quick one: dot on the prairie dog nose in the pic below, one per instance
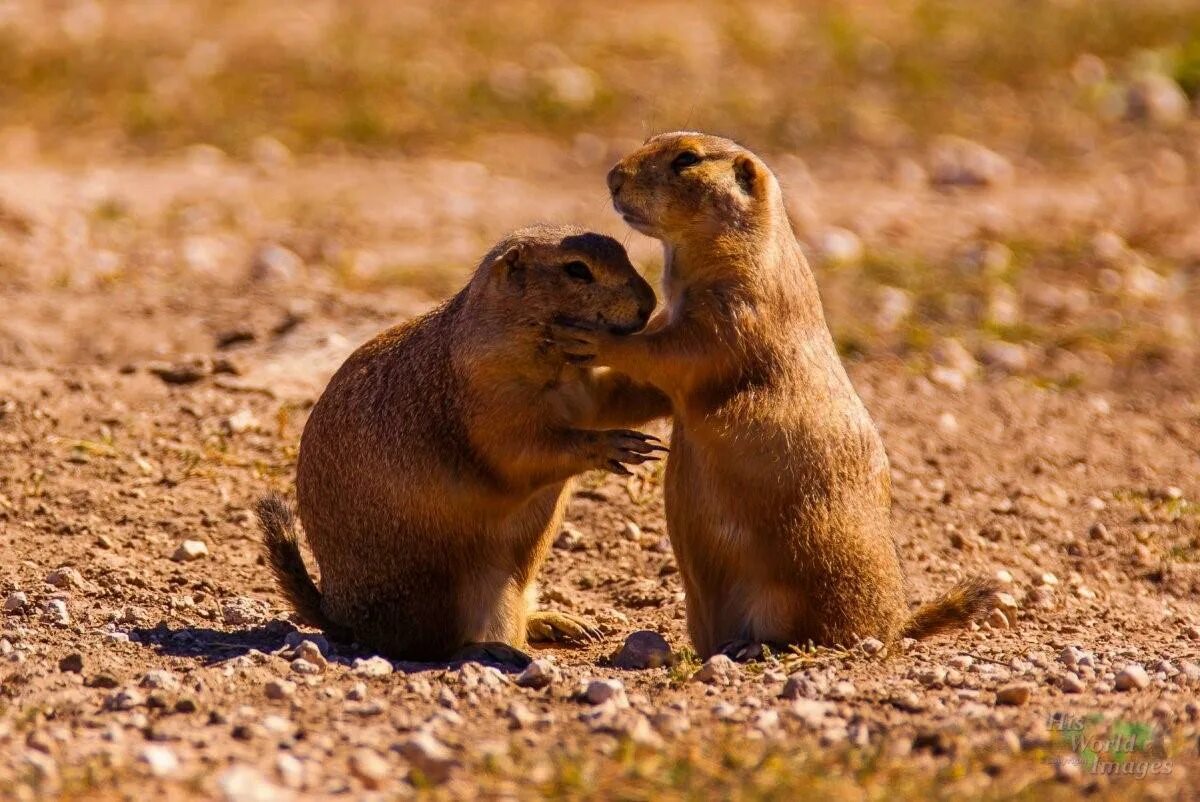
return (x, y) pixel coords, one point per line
(616, 177)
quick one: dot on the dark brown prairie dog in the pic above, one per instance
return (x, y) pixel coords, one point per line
(435, 468)
(777, 488)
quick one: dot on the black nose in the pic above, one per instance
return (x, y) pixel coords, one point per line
(644, 314)
(616, 177)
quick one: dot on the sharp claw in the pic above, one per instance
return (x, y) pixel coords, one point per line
(618, 468)
(649, 439)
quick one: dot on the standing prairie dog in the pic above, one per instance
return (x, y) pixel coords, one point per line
(777, 488)
(434, 470)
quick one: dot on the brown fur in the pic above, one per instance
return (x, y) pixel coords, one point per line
(282, 550)
(777, 489)
(969, 600)
(434, 470)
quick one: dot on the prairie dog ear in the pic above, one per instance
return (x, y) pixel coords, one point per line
(747, 173)
(510, 267)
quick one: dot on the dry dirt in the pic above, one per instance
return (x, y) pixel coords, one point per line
(253, 281)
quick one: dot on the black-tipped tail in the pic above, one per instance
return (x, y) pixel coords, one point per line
(283, 555)
(969, 600)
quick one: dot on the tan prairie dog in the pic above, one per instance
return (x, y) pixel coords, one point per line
(777, 488)
(434, 470)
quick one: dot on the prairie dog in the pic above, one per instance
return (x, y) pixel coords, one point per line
(435, 468)
(777, 488)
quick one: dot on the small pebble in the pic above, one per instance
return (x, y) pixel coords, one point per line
(241, 783)
(871, 645)
(310, 652)
(160, 760)
(189, 551)
(538, 674)
(1131, 677)
(160, 679)
(1016, 694)
(369, 767)
(570, 538)
(55, 612)
(16, 602)
(519, 716)
(290, 769)
(599, 691)
(305, 668)
(644, 649)
(717, 670)
(65, 577)
(72, 663)
(124, 699)
(429, 756)
(373, 667)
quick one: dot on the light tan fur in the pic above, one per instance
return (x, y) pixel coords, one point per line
(434, 470)
(777, 488)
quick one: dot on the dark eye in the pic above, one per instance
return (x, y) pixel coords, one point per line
(685, 160)
(579, 271)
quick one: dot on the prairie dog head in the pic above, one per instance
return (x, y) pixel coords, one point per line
(684, 185)
(544, 273)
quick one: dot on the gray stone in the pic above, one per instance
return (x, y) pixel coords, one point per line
(245, 784)
(160, 679)
(1131, 677)
(160, 760)
(538, 674)
(429, 756)
(372, 667)
(369, 767)
(599, 691)
(717, 670)
(190, 551)
(16, 602)
(55, 612)
(644, 649)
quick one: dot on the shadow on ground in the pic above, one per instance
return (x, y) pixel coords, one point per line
(212, 646)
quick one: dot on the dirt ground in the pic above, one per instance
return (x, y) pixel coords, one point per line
(165, 325)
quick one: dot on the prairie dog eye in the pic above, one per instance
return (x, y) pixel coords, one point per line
(685, 160)
(579, 271)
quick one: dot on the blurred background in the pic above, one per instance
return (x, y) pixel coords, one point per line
(1050, 79)
(1015, 179)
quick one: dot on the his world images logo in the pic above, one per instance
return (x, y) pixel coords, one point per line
(1120, 747)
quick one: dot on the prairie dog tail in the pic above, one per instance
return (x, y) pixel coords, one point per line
(968, 601)
(283, 555)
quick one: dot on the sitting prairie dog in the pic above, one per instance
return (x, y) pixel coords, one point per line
(777, 489)
(434, 470)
